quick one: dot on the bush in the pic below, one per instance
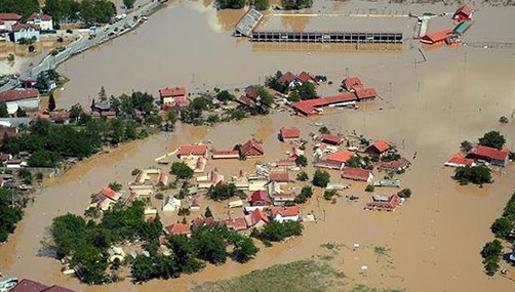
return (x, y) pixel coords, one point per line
(369, 188)
(503, 120)
(232, 4)
(115, 186)
(222, 191)
(181, 170)
(301, 161)
(276, 231)
(466, 146)
(328, 195)
(404, 193)
(492, 139)
(321, 178)
(491, 254)
(244, 249)
(159, 196)
(502, 227)
(261, 4)
(184, 212)
(474, 174)
(302, 176)
(305, 194)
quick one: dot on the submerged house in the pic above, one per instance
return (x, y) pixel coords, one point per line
(289, 134)
(464, 13)
(211, 179)
(252, 149)
(494, 156)
(357, 174)
(438, 37)
(173, 97)
(256, 219)
(379, 147)
(285, 214)
(384, 203)
(105, 198)
(334, 160)
(312, 106)
(458, 160)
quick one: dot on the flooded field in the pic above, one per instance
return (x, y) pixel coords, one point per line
(424, 108)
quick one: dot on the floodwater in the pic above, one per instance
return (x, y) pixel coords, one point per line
(427, 108)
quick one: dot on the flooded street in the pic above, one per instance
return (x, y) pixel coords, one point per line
(428, 108)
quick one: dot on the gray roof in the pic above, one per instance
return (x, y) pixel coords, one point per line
(249, 21)
(16, 122)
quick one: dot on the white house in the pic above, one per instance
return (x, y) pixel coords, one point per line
(26, 99)
(25, 31)
(42, 20)
(9, 19)
(284, 214)
(172, 204)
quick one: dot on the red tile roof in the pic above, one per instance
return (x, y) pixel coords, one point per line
(459, 159)
(439, 36)
(192, 149)
(465, 10)
(381, 146)
(177, 229)
(353, 83)
(172, 91)
(224, 153)
(306, 77)
(289, 133)
(279, 176)
(259, 197)
(18, 94)
(491, 153)
(285, 211)
(20, 26)
(33, 286)
(255, 217)
(287, 78)
(307, 107)
(41, 16)
(394, 164)
(331, 139)
(10, 17)
(252, 148)
(356, 173)
(366, 93)
(339, 156)
(109, 193)
(237, 224)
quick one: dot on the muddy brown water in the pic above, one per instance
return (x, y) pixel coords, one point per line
(428, 108)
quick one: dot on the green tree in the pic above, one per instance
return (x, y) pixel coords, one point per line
(405, 193)
(329, 194)
(232, 4)
(466, 146)
(306, 91)
(244, 249)
(184, 253)
(51, 103)
(115, 186)
(20, 113)
(492, 139)
(275, 231)
(261, 4)
(222, 191)
(321, 178)
(302, 176)
(305, 193)
(224, 95)
(474, 174)
(502, 227)
(208, 213)
(3, 110)
(324, 130)
(143, 268)
(11, 208)
(22, 7)
(491, 254)
(301, 161)
(209, 243)
(369, 188)
(181, 170)
(129, 3)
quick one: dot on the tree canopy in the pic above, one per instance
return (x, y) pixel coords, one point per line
(321, 178)
(492, 139)
(22, 7)
(473, 174)
(181, 170)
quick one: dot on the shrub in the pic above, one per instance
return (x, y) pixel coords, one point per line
(474, 174)
(404, 193)
(301, 161)
(276, 231)
(181, 170)
(302, 176)
(369, 188)
(321, 178)
(305, 194)
(184, 212)
(329, 194)
(492, 139)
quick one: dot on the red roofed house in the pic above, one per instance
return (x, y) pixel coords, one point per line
(438, 37)
(334, 160)
(42, 20)
(390, 204)
(332, 139)
(379, 147)
(33, 286)
(289, 134)
(394, 165)
(288, 79)
(25, 31)
(464, 13)
(365, 94)
(308, 107)
(201, 222)
(260, 198)
(352, 83)
(492, 155)
(27, 99)
(105, 198)
(252, 149)
(211, 179)
(192, 150)
(458, 160)
(279, 176)
(177, 229)
(284, 214)
(173, 97)
(9, 19)
(306, 77)
(236, 224)
(256, 219)
(358, 174)
(225, 154)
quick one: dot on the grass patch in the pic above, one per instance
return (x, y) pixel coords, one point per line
(381, 250)
(303, 275)
(363, 288)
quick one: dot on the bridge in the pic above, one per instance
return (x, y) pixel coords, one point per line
(328, 37)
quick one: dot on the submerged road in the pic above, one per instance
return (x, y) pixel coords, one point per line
(84, 43)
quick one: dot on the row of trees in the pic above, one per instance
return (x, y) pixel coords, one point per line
(21, 7)
(11, 210)
(87, 11)
(473, 174)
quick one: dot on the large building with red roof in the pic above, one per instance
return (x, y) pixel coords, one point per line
(334, 160)
(252, 149)
(173, 97)
(43, 21)
(26, 285)
(438, 37)
(379, 147)
(458, 160)
(26, 99)
(358, 174)
(9, 19)
(192, 150)
(310, 106)
(464, 13)
(284, 214)
(491, 155)
(289, 134)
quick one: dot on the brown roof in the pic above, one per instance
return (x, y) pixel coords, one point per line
(177, 229)
(192, 149)
(353, 83)
(290, 133)
(19, 26)
(172, 91)
(33, 286)
(279, 176)
(287, 78)
(10, 16)
(356, 173)
(339, 156)
(285, 211)
(237, 224)
(252, 145)
(331, 139)
(41, 16)
(490, 153)
(256, 216)
(18, 94)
